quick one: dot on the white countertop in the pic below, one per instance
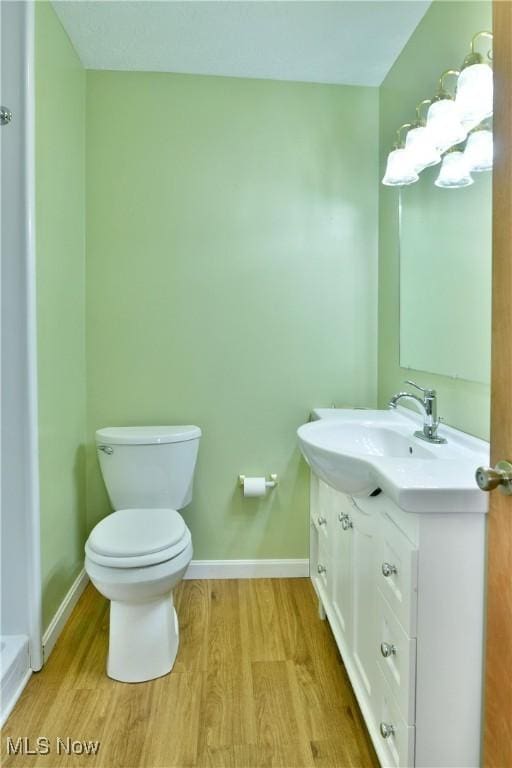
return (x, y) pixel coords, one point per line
(418, 476)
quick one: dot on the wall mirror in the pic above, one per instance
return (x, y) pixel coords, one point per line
(445, 277)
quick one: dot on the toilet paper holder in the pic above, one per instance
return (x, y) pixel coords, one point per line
(270, 483)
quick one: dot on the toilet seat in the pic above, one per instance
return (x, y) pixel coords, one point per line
(132, 538)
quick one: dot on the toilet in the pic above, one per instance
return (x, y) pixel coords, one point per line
(137, 554)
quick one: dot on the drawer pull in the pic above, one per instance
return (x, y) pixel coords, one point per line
(321, 520)
(321, 568)
(342, 516)
(386, 730)
(387, 649)
(389, 570)
(347, 523)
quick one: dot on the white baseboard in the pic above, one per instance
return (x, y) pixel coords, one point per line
(56, 625)
(247, 569)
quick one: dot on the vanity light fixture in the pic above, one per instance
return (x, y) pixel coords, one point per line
(443, 118)
(419, 143)
(474, 98)
(452, 117)
(479, 149)
(455, 171)
(400, 167)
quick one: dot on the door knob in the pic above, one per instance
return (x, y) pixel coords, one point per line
(387, 650)
(500, 477)
(5, 115)
(386, 730)
(389, 570)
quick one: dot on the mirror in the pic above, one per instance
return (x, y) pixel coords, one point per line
(445, 277)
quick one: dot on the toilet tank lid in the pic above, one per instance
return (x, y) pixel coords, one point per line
(147, 435)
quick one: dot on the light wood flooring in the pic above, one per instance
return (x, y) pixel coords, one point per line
(258, 682)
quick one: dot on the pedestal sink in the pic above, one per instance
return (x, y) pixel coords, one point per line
(359, 451)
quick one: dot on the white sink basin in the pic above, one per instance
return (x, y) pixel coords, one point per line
(357, 452)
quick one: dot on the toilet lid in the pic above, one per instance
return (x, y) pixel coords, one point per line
(147, 435)
(132, 532)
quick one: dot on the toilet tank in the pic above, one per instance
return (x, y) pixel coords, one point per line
(148, 467)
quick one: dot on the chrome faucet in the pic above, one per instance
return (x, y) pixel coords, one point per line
(429, 406)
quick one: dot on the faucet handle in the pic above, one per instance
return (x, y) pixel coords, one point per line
(426, 391)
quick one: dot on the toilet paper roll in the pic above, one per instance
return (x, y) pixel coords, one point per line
(254, 486)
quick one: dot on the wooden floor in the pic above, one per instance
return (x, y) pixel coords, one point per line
(258, 682)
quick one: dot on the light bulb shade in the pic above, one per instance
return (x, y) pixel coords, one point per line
(421, 148)
(454, 171)
(475, 93)
(469, 123)
(478, 152)
(399, 169)
(444, 125)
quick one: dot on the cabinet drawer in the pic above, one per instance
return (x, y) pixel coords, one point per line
(398, 573)
(397, 747)
(397, 658)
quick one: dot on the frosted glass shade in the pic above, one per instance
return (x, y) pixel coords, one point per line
(421, 148)
(400, 169)
(478, 152)
(444, 125)
(470, 123)
(454, 171)
(475, 93)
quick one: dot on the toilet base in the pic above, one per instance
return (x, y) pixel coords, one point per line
(144, 639)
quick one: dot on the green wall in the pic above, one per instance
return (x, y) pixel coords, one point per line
(440, 42)
(231, 277)
(60, 254)
(231, 281)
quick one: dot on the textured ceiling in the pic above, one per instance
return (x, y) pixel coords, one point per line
(353, 43)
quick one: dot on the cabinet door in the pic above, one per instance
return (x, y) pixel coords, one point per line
(342, 566)
(364, 623)
(396, 747)
(321, 523)
(397, 658)
(397, 570)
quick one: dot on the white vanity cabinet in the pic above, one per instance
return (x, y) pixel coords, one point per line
(404, 597)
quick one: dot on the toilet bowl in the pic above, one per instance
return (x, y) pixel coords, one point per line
(137, 555)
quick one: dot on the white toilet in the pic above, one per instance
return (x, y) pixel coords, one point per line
(136, 555)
